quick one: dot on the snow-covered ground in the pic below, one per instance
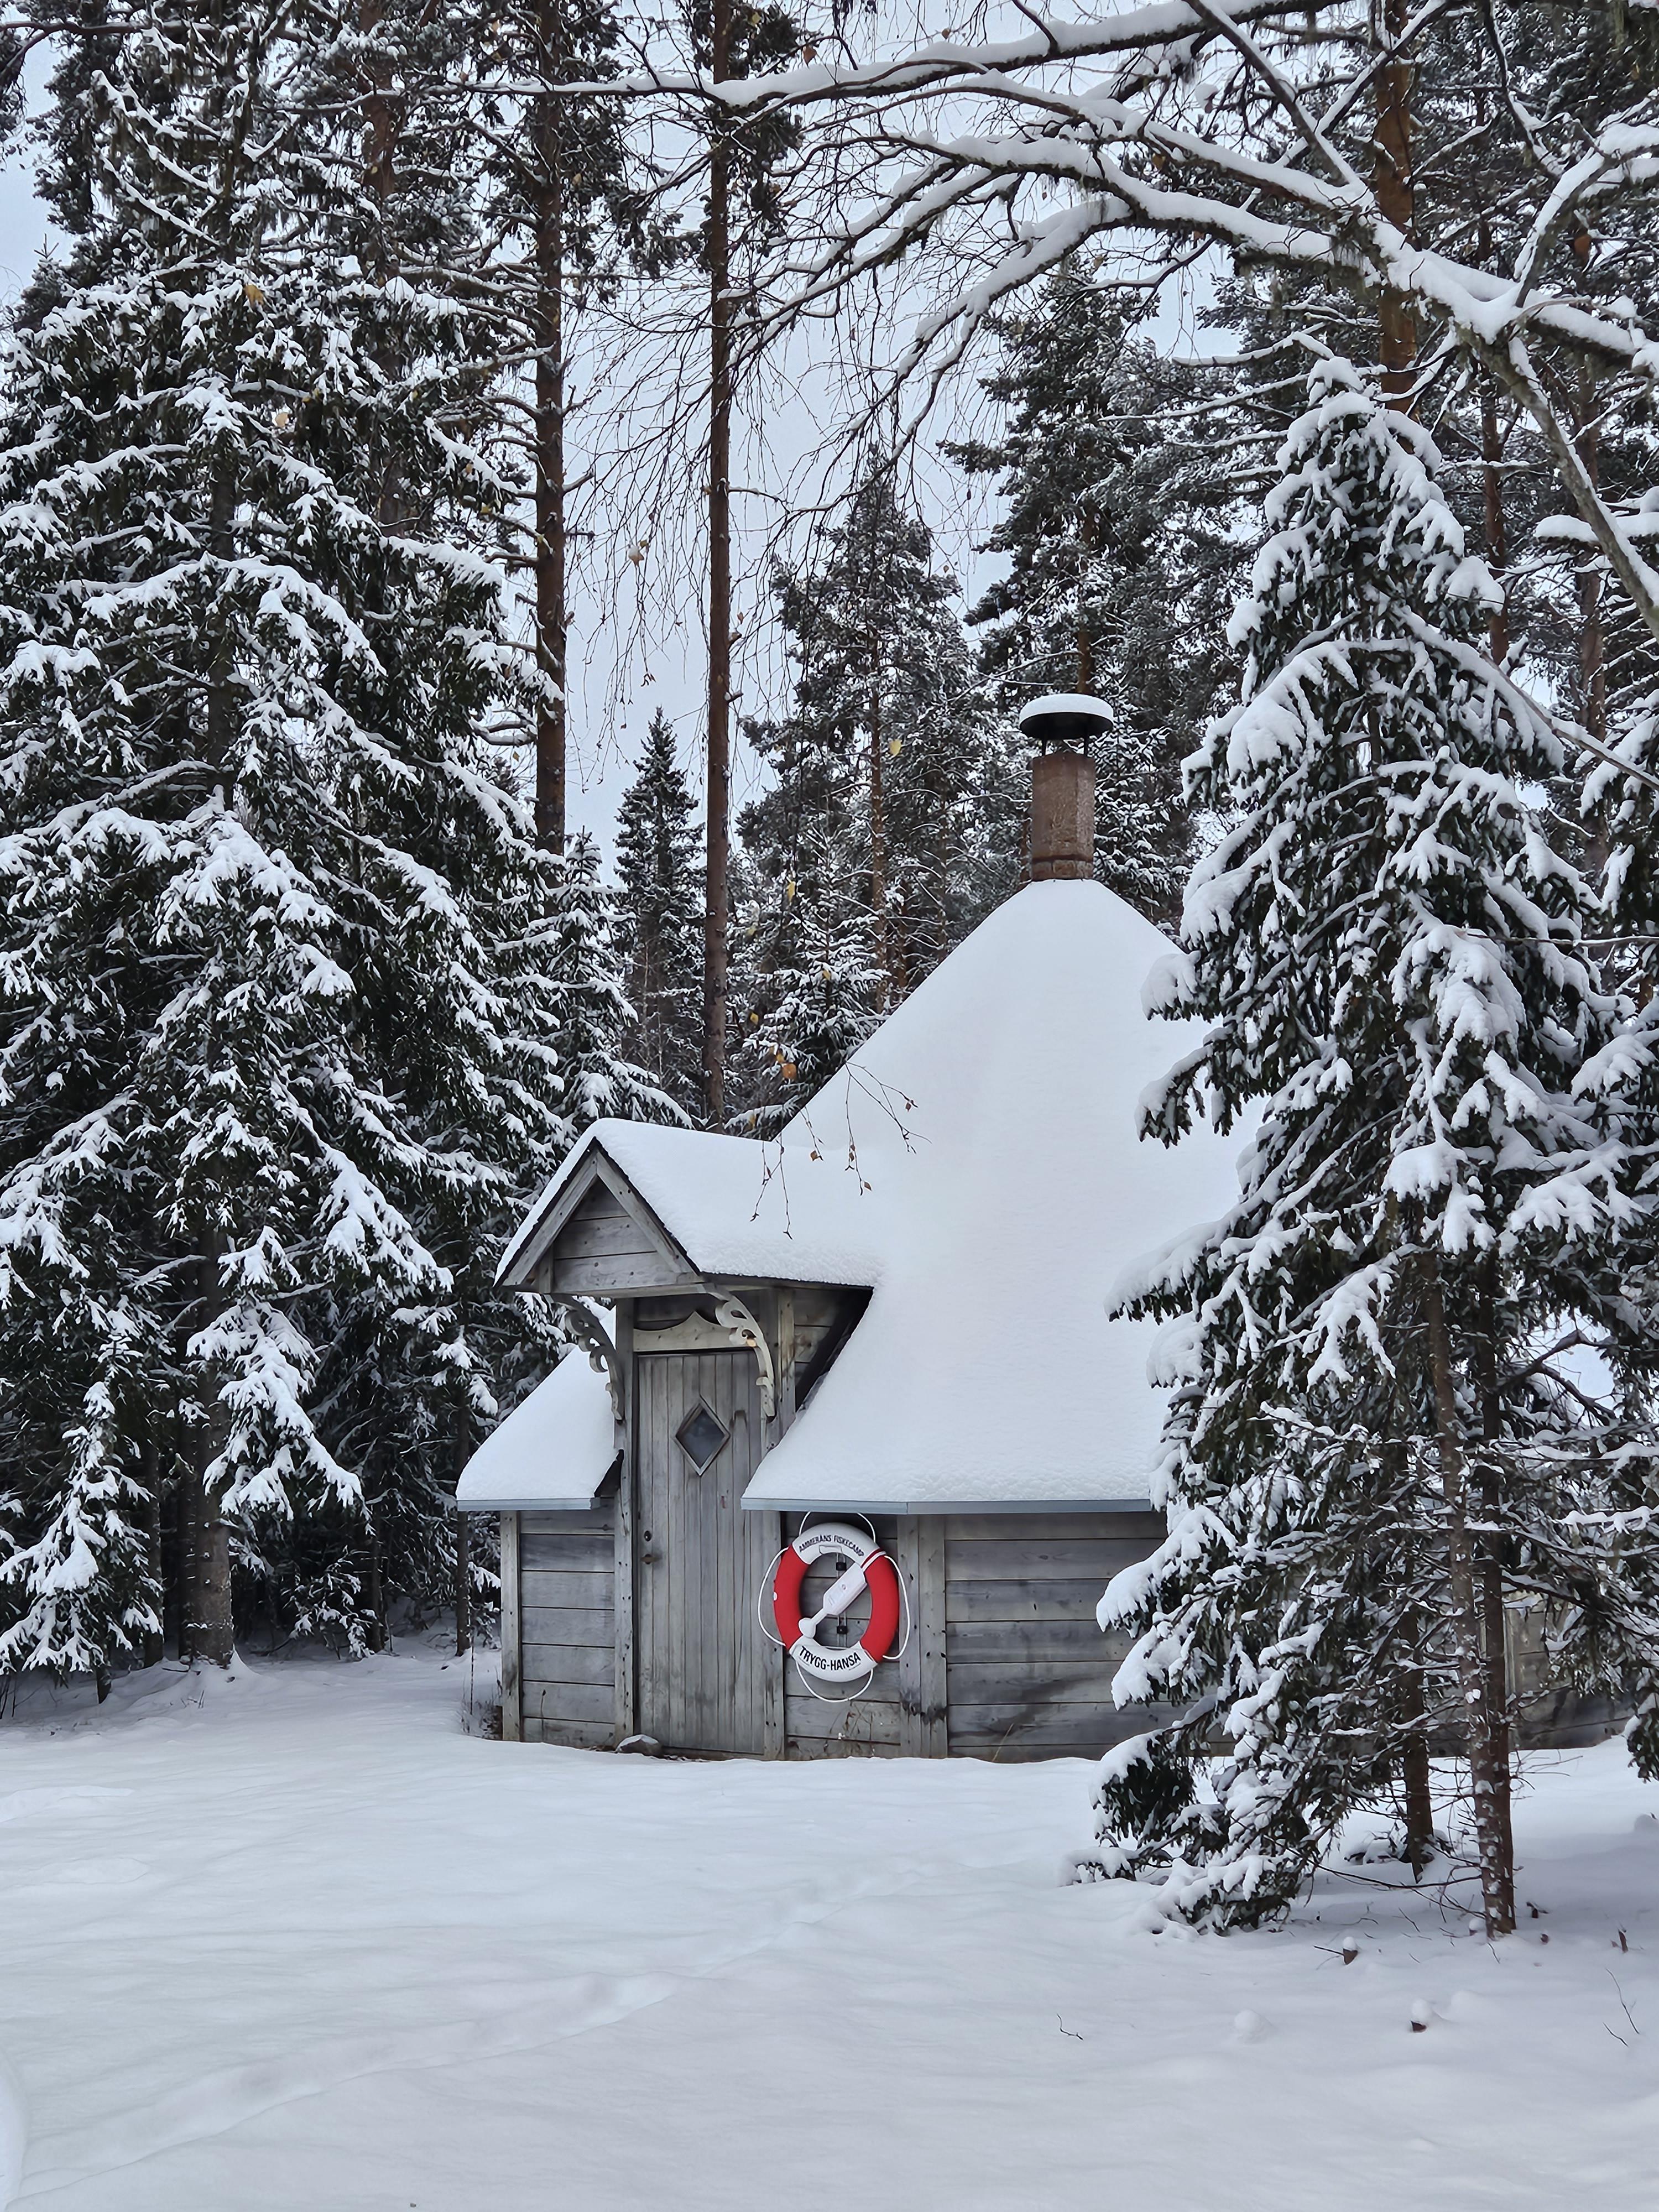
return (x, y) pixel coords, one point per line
(301, 1944)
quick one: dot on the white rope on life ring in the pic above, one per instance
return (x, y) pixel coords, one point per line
(868, 1568)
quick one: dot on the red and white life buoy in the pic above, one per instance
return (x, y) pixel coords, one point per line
(869, 1567)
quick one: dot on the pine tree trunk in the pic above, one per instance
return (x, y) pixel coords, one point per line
(1419, 1805)
(552, 656)
(1391, 181)
(1498, 543)
(1490, 1500)
(377, 1636)
(1494, 1840)
(1491, 485)
(719, 591)
(149, 1460)
(1088, 531)
(1592, 638)
(215, 1635)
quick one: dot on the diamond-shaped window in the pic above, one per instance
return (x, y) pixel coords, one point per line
(701, 1438)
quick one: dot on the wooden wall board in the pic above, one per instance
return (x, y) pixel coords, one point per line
(918, 1547)
(568, 1624)
(588, 1663)
(574, 1734)
(861, 1727)
(1030, 1671)
(1039, 1598)
(590, 1553)
(511, 1715)
(1144, 1529)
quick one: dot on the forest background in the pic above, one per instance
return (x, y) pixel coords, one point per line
(366, 332)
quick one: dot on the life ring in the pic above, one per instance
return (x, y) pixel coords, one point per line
(869, 1568)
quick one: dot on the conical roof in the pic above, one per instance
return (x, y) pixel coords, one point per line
(994, 1116)
(978, 1165)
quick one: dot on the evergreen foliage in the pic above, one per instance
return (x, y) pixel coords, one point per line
(866, 841)
(287, 989)
(819, 995)
(1118, 494)
(1385, 951)
(659, 917)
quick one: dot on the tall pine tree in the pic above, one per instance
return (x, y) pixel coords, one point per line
(1362, 1445)
(660, 918)
(279, 1036)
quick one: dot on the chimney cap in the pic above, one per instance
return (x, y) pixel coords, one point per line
(1065, 718)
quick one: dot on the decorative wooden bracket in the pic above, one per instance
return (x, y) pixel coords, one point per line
(741, 1325)
(601, 1353)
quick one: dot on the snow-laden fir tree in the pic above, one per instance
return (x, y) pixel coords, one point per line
(1601, 1569)
(1117, 484)
(811, 973)
(659, 917)
(279, 1047)
(878, 760)
(1385, 953)
(591, 1015)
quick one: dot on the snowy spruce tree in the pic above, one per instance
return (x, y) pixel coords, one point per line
(659, 917)
(878, 763)
(277, 1038)
(591, 1015)
(811, 971)
(1119, 564)
(1363, 1447)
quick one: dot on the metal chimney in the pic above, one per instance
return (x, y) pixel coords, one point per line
(1063, 786)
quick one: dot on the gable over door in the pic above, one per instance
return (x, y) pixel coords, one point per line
(709, 1679)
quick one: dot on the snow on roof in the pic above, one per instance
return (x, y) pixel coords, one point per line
(978, 1165)
(985, 1373)
(552, 1451)
(737, 1208)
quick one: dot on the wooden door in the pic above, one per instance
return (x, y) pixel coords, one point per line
(709, 1679)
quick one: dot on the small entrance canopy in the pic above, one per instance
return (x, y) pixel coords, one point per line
(978, 1168)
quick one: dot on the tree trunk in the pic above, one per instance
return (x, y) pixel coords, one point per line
(155, 1648)
(377, 1635)
(1490, 1501)
(215, 1635)
(719, 591)
(1494, 1839)
(1391, 181)
(1088, 531)
(552, 650)
(1498, 543)
(1419, 1805)
(1592, 639)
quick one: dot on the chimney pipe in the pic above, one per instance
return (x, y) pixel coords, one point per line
(1063, 784)
(1062, 818)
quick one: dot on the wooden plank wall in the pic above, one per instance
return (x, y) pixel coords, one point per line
(1007, 1661)
(567, 1627)
(603, 1249)
(1028, 1672)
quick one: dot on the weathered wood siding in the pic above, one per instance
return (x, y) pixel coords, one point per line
(603, 1249)
(1029, 1673)
(567, 1587)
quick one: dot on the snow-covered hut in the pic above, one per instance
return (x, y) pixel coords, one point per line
(896, 1314)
